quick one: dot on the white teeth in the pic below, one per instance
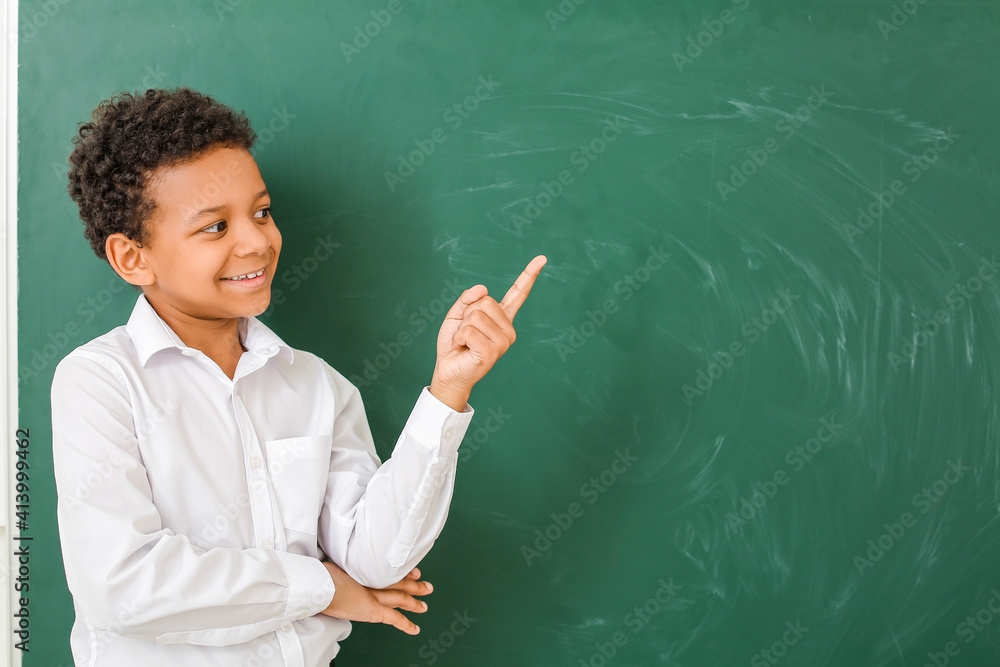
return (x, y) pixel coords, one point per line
(247, 275)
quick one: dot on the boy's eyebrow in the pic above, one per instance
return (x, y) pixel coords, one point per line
(214, 209)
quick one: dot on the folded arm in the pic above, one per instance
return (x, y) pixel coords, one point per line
(379, 521)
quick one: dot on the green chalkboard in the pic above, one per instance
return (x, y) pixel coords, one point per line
(752, 413)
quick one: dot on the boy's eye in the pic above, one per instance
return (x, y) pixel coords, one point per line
(211, 227)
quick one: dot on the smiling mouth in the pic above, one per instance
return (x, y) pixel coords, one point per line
(247, 276)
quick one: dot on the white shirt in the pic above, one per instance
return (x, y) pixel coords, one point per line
(194, 510)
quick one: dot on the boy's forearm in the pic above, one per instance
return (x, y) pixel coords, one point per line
(377, 557)
(387, 524)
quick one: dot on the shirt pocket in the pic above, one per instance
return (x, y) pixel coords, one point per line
(299, 468)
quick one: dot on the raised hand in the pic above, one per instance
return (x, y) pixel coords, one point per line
(354, 602)
(476, 332)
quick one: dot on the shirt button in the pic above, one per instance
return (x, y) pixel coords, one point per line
(255, 461)
(449, 434)
(267, 544)
(286, 628)
(303, 615)
(188, 352)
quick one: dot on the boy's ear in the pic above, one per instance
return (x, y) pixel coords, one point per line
(126, 258)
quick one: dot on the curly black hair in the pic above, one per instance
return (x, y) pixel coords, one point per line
(132, 135)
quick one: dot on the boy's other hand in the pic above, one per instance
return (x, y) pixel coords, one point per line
(476, 332)
(354, 602)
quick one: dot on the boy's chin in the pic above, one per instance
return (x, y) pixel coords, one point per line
(250, 307)
(257, 309)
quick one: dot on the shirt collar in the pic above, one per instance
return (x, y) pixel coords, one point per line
(150, 334)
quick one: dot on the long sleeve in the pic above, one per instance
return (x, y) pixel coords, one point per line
(129, 573)
(378, 522)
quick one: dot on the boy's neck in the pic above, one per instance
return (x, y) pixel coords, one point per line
(217, 339)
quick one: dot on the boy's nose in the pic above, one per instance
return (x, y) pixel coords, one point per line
(251, 238)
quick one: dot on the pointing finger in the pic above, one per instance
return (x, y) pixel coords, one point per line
(519, 291)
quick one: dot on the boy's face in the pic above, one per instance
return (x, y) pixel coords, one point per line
(194, 255)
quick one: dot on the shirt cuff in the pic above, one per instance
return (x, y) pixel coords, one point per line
(435, 425)
(310, 587)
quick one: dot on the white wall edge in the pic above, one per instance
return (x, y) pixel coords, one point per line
(8, 330)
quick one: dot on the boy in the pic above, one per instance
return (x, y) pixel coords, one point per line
(207, 473)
